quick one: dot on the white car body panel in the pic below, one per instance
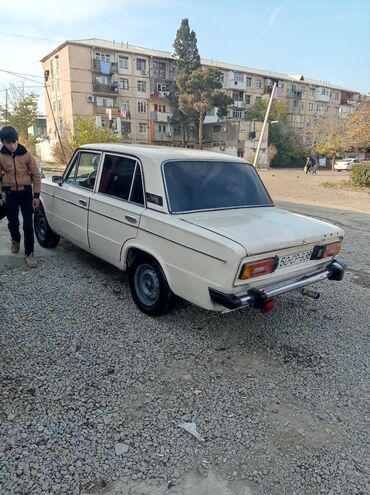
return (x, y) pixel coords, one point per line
(196, 250)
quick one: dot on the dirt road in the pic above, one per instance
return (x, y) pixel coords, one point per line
(327, 188)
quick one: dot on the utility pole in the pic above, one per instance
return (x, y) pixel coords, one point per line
(264, 125)
(46, 77)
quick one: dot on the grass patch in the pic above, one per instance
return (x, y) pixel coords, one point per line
(345, 185)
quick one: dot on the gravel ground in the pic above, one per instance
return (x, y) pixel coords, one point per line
(92, 390)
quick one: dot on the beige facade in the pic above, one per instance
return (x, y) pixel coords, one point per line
(127, 88)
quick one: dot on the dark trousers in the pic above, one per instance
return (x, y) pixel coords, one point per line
(22, 199)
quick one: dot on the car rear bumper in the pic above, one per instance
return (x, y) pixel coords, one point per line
(258, 298)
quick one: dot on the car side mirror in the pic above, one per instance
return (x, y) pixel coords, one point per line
(58, 179)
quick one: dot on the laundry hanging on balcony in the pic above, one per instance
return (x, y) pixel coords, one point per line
(105, 67)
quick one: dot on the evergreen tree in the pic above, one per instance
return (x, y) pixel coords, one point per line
(186, 50)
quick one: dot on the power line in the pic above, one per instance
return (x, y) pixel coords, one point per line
(16, 74)
(18, 35)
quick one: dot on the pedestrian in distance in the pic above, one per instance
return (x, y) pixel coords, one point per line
(313, 168)
(21, 183)
(307, 166)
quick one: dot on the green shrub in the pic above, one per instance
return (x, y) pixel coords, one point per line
(360, 174)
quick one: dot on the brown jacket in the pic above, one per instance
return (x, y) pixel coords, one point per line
(19, 169)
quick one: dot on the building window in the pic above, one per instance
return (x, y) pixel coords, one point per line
(105, 57)
(325, 91)
(142, 128)
(60, 106)
(336, 95)
(312, 92)
(310, 106)
(159, 69)
(295, 103)
(123, 83)
(122, 62)
(141, 107)
(258, 83)
(249, 82)
(51, 68)
(159, 108)
(141, 86)
(216, 128)
(239, 77)
(162, 128)
(141, 64)
(222, 77)
(237, 114)
(55, 106)
(162, 87)
(57, 65)
(104, 102)
(248, 99)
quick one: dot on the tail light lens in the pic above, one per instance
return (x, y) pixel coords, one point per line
(258, 268)
(327, 251)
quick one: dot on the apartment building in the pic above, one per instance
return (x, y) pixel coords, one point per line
(128, 88)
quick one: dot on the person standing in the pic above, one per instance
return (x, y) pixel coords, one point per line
(21, 180)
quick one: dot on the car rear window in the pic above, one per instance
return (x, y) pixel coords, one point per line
(208, 185)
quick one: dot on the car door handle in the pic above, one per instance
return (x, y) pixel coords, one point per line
(130, 219)
(82, 202)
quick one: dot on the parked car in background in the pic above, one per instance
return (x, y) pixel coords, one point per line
(194, 224)
(345, 164)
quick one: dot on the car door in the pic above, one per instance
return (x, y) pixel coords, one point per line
(71, 199)
(116, 206)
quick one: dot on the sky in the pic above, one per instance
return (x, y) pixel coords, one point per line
(327, 40)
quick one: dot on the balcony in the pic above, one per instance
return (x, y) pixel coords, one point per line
(163, 74)
(239, 104)
(322, 95)
(163, 136)
(161, 116)
(162, 95)
(98, 65)
(105, 89)
(294, 93)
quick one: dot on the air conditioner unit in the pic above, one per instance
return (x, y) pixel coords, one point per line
(90, 98)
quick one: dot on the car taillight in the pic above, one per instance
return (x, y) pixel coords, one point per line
(258, 268)
(332, 249)
(327, 251)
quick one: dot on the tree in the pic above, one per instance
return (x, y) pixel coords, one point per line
(21, 111)
(281, 135)
(359, 128)
(187, 59)
(186, 50)
(85, 132)
(201, 92)
(24, 114)
(278, 110)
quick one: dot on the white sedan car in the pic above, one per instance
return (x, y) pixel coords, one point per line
(194, 224)
(345, 164)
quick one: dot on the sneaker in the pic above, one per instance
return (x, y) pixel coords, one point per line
(31, 261)
(14, 247)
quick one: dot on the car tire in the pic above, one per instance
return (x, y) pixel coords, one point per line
(44, 235)
(149, 287)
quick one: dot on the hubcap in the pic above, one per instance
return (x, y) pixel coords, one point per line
(147, 284)
(41, 226)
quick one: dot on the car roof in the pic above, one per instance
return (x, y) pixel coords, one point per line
(162, 153)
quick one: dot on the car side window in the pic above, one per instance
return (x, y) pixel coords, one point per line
(137, 195)
(84, 170)
(119, 178)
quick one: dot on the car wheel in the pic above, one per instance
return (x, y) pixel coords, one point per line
(45, 236)
(149, 287)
